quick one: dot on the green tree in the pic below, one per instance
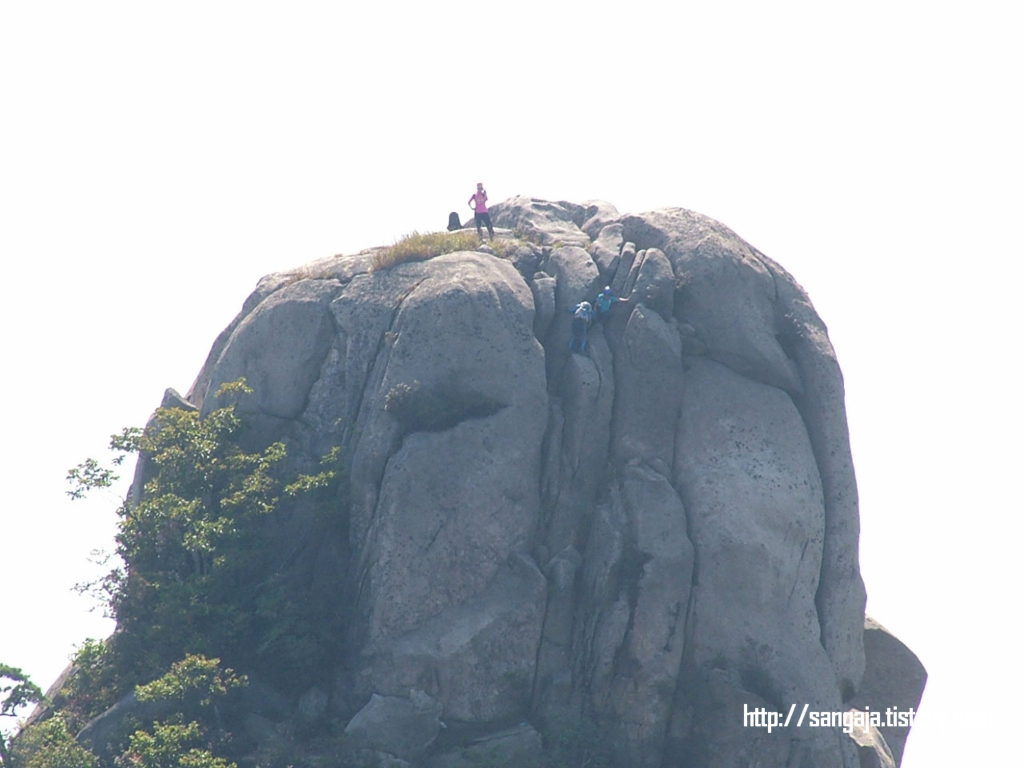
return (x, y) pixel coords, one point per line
(199, 573)
(170, 745)
(92, 688)
(193, 685)
(16, 692)
(194, 680)
(49, 744)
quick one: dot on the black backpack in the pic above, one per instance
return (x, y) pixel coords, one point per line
(453, 222)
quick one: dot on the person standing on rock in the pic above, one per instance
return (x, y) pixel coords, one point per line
(478, 202)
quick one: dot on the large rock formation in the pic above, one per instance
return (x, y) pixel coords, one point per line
(652, 538)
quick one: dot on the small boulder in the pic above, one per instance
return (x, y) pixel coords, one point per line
(894, 678)
(403, 727)
(605, 250)
(542, 221)
(599, 215)
(543, 287)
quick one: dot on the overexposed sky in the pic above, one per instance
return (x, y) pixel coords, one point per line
(157, 159)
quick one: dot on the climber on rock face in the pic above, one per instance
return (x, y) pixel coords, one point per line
(605, 301)
(582, 317)
(478, 202)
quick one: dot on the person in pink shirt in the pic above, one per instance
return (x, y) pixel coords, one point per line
(478, 202)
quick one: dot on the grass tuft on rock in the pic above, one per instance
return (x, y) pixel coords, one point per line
(417, 247)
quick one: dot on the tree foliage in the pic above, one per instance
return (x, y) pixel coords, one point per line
(201, 576)
(170, 745)
(49, 744)
(190, 737)
(195, 679)
(199, 558)
(93, 686)
(16, 692)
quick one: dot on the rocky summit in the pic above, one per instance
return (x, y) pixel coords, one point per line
(641, 551)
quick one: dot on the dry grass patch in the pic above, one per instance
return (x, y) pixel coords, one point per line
(417, 247)
(504, 248)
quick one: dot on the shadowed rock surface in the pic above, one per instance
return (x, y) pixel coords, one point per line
(894, 678)
(648, 537)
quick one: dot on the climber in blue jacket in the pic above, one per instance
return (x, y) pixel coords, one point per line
(582, 317)
(604, 302)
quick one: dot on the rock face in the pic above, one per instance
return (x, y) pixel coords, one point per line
(647, 538)
(894, 678)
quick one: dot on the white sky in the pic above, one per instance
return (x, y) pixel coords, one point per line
(157, 159)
